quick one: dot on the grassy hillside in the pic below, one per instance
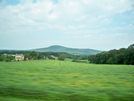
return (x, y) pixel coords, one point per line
(51, 80)
(56, 48)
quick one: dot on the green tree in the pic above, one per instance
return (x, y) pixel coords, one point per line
(6, 58)
(121, 56)
(129, 55)
(34, 55)
(40, 56)
(62, 57)
(3, 57)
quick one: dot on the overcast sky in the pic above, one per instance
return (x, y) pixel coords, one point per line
(95, 24)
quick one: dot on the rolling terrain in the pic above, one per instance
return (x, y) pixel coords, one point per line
(53, 80)
(75, 51)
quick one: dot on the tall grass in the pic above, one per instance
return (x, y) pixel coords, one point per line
(53, 80)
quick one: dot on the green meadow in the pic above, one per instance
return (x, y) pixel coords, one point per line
(53, 80)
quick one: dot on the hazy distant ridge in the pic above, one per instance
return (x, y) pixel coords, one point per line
(57, 48)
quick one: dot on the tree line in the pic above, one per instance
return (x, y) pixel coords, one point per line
(9, 55)
(121, 56)
(7, 58)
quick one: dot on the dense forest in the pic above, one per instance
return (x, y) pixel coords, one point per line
(121, 56)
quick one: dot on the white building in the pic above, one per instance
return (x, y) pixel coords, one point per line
(19, 57)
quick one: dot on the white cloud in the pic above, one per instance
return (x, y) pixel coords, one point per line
(74, 18)
(64, 13)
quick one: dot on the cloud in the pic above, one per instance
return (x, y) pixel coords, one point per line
(75, 19)
(66, 14)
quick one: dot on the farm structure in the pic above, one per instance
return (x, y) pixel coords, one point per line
(19, 57)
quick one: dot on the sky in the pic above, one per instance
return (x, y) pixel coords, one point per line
(94, 24)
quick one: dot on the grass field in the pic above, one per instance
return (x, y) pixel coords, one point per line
(53, 80)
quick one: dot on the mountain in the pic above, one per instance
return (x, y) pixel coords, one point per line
(76, 51)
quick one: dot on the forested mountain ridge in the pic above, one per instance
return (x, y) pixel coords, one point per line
(75, 51)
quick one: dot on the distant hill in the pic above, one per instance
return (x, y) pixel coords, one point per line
(76, 51)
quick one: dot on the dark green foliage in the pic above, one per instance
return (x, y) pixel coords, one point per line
(6, 58)
(79, 61)
(12, 52)
(121, 56)
(33, 55)
(129, 56)
(57, 54)
(62, 57)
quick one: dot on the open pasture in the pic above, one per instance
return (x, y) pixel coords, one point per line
(53, 80)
